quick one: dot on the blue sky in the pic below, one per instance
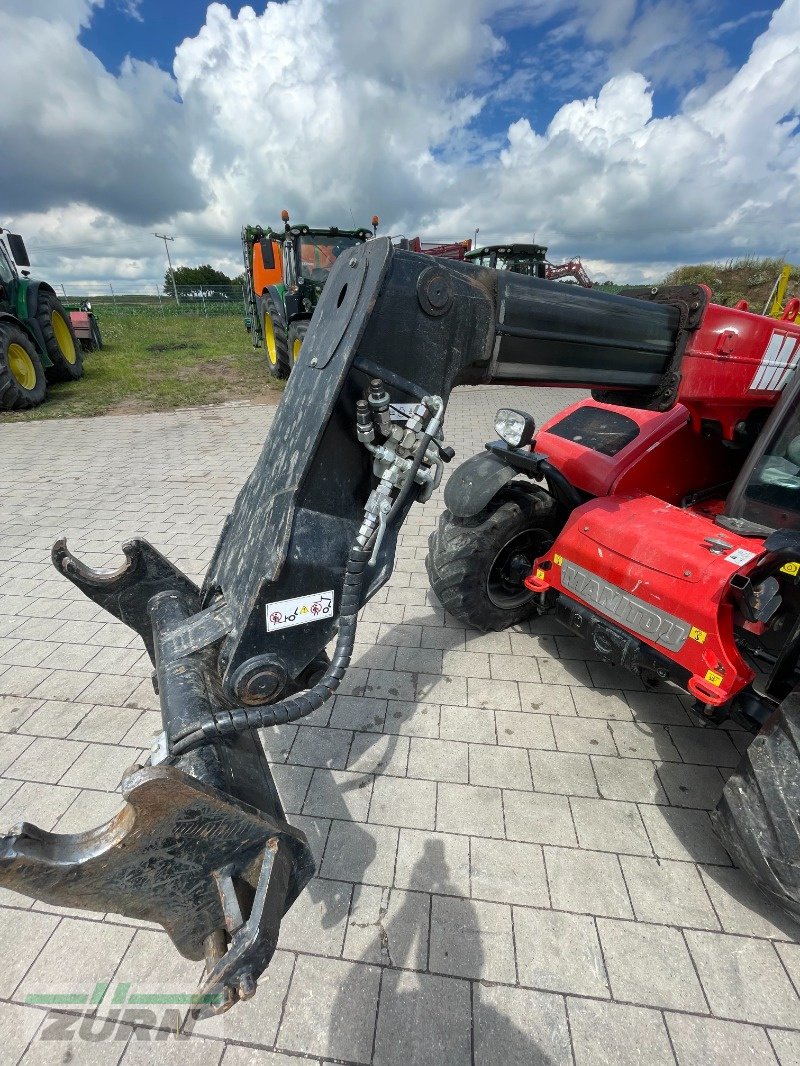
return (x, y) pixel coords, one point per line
(638, 134)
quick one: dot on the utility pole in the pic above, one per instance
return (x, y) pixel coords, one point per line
(163, 237)
(475, 242)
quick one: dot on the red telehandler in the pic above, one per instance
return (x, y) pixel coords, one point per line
(659, 518)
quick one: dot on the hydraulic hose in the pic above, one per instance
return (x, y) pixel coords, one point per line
(226, 723)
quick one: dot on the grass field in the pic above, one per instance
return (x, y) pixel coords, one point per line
(154, 363)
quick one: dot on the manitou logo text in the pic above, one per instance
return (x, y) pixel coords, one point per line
(777, 362)
(633, 613)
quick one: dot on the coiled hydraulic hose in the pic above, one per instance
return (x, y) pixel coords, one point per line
(226, 723)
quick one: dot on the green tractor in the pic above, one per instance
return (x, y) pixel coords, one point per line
(285, 272)
(37, 342)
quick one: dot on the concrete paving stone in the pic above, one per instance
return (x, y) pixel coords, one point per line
(45, 760)
(467, 723)
(690, 785)
(69, 657)
(743, 908)
(15, 711)
(412, 719)
(440, 688)
(570, 672)
(18, 1025)
(424, 660)
(438, 760)
(144, 697)
(518, 729)
(433, 862)
(64, 685)
(505, 871)
(88, 810)
(406, 802)
(716, 1043)
(257, 1020)
(497, 643)
(669, 892)
(77, 957)
(538, 818)
(361, 853)
(112, 689)
(106, 724)
(615, 1034)
(569, 647)
(470, 938)
(743, 979)
(100, 766)
(515, 668)
(152, 967)
(359, 713)
(678, 833)
(610, 825)
(317, 920)
(496, 695)
(276, 740)
(55, 718)
(388, 927)
(711, 747)
(8, 789)
(338, 794)
(589, 882)
(650, 965)
(35, 802)
(25, 652)
(547, 699)
(24, 934)
(641, 740)
(239, 1055)
(423, 1019)
(374, 656)
(559, 952)
(658, 708)
(603, 675)
(628, 779)
(499, 767)
(142, 1050)
(443, 638)
(472, 809)
(12, 745)
(379, 753)
(518, 1027)
(400, 636)
(588, 735)
(786, 1045)
(321, 747)
(466, 664)
(292, 783)
(331, 1009)
(21, 680)
(562, 772)
(92, 1041)
(382, 684)
(790, 957)
(601, 703)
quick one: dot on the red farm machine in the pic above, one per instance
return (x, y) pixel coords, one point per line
(530, 259)
(659, 520)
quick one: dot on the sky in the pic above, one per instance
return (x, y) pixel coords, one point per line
(637, 134)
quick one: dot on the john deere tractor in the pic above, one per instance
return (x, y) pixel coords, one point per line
(37, 341)
(285, 272)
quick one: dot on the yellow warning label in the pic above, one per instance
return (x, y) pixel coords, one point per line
(558, 559)
(540, 574)
(698, 635)
(714, 679)
(791, 568)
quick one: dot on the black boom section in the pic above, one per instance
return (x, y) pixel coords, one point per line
(202, 845)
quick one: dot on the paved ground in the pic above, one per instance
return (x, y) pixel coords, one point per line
(516, 860)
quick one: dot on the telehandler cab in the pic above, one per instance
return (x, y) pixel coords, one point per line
(661, 520)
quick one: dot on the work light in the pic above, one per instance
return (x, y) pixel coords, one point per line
(516, 428)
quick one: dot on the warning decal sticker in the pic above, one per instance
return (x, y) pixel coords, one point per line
(315, 607)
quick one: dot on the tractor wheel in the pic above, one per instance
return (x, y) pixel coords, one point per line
(477, 565)
(22, 378)
(297, 334)
(756, 818)
(60, 342)
(97, 338)
(275, 340)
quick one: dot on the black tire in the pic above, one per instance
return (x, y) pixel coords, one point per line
(60, 342)
(23, 382)
(475, 565)
(757, 817)
(97, 337)
(297, 334)
(276, 344)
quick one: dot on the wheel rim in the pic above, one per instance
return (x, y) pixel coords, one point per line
(64, 340)
(297, 344)
(503, 584)
(269, 339)
(21, 366)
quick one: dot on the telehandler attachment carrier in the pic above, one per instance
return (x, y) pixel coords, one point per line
(202, 845)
